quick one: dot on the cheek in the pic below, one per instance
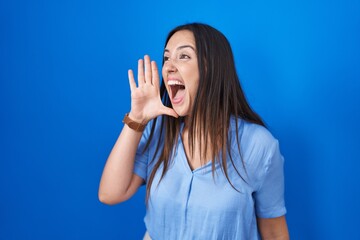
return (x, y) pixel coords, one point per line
(193, 88)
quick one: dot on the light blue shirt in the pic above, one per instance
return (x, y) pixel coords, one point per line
(191, 204)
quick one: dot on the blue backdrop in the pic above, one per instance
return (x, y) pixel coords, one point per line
(64, 91)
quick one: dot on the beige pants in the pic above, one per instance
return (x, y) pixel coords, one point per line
(147, 236)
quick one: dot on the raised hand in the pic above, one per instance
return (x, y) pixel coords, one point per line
(146, 103)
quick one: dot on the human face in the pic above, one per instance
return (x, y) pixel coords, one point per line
(181, 72)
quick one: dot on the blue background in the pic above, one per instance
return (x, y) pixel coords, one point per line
(64, 91)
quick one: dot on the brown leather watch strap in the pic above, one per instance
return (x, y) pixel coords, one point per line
(139, 127)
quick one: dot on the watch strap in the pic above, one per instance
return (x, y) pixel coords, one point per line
(139, 127)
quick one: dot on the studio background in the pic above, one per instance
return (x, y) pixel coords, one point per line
(64, 91)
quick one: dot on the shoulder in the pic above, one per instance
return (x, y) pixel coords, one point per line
(251, 134)
(259, 151)
(257, 136)
(257, 144)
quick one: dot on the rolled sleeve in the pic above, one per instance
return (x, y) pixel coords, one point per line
(269, 197)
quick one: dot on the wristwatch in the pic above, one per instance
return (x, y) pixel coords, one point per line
(139, 127)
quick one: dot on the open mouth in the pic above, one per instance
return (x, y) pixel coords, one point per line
(177, 90)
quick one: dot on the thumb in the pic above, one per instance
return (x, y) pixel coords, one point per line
(169, 111)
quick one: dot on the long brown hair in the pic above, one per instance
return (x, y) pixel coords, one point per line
(219, 97)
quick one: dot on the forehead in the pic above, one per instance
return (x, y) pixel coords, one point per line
(182, 37)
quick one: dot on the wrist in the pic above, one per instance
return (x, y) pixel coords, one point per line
(136, 117)
(133, 123)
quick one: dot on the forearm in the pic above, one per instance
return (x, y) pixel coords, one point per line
(118, 171)
(273, 228)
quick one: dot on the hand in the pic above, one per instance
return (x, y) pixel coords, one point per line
(146, 102)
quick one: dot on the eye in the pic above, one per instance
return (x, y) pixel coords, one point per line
(184, 56)
(166, 58)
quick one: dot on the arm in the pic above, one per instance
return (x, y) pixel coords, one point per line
(118, 182)
(269, 197)
(273, 228)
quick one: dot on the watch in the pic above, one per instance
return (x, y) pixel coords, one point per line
(139, 127)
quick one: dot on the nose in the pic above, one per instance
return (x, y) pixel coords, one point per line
(170, 67)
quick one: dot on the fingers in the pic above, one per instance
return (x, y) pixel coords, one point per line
(141, 77)
(155, 74)
(131, 80)
(148, 74)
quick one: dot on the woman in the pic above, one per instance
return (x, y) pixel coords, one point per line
(211, 168)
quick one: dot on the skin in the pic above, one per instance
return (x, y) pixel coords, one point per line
(180, 64)
(273, 228)
(118, 182)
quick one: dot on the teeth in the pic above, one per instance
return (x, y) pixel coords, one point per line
(175, 82)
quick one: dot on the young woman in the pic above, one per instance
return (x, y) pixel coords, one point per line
(211, 168)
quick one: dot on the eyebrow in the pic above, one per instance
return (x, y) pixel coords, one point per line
(181, 47)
